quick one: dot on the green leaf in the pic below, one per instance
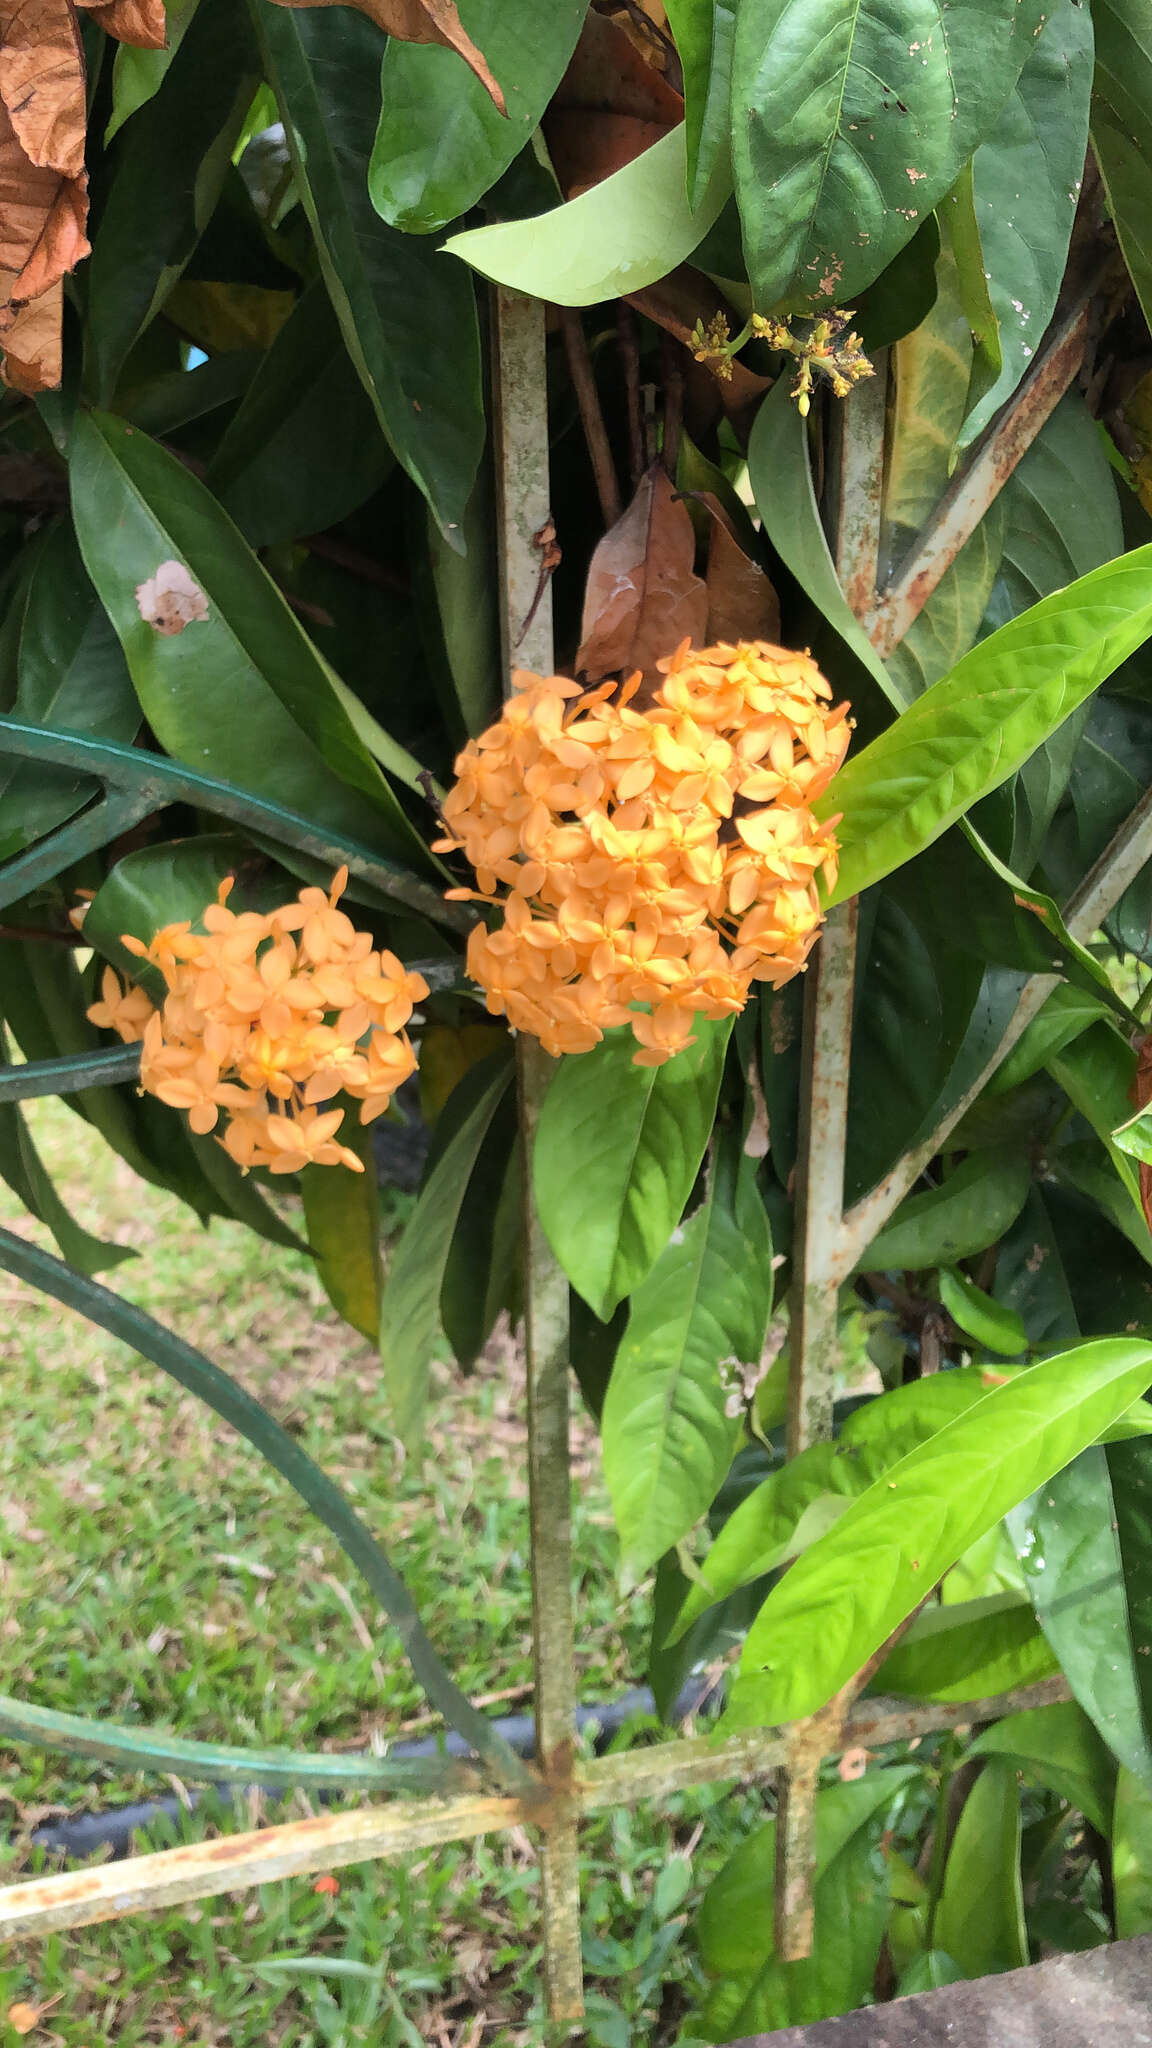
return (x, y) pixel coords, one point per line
(1096, 1071)
(997, 1328)
(980, 1916)
(968, 1650)
(622, 234)
(1130, 1475)
(950, 621)
(849, 127)
(458, 609)
(167, 882)
(845, 1596)
(1066, 1015)
(781, 479)
(303, 449)
(975, 728)
(668, 1441)
(617, 1150)
(966, 1213)
(441, 142)
(242, 693)
(408, 318)
(1026, 177)
(168, 171)
(342, 1217)
(1059, 1747)
(957, 214)
(704, 31)
(1131, 1837)
(137, 75)
(71, 676)
(933, 367)
(930, 1972)
(24, 1170)
(483, 1270)
(1121, 115)
(410, 1310)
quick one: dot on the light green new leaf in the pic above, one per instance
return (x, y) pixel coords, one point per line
(619, 236)
(442, 142)
(1121, 122)
(1026, 178)
(704, 31)
(998, 1328)
(1131, 1835)
(967, 1212)
(841, 1601)
(410, 1309)
(1059, 1747)
(667, 1440)
(617, 1150)
(408, 318)
(137, 75)
(241, 692)
(850, 124)
(975, 728)
(980, 1917)
(342, 1217)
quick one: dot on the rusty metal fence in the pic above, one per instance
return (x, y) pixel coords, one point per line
(460, 1800)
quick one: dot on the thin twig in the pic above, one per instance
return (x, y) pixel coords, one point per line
(42, 931)
(673, 376)
(591, 417)
(630, 357)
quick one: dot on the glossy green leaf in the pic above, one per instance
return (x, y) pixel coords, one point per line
(781, 479)
(1121, 114)
(304, 448)
(410, 1310)
(408, 317)
(342, 1218)
(168, 171)
(704, 1308)
(1026, 178)
(137, 75)
(995, 1327)
(617, 1150)
(980, 1916)
(441, 142)
(622, 234)
(848, 127)
(965, 1214)
(843, 1598)
(1131, 1838)
(70, 675)
(241, 693)
(1058, 1747)
(968, 1650)
(705, 32)
(971, 731)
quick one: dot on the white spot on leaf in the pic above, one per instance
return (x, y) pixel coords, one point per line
(171, 599)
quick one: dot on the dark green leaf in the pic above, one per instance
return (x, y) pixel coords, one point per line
(23, 1169)
(966, 1213)
(950, 621)
(705, 31)
(459, 614)
(617, 1150)
(342, 1217)
(1059, 1748)
(1131, 1836)
(1130, 1474)
(1121, 115)
(848, 128)
(242, 692)
(968, 1650)
(845, 1596)
(137, 75)
(167, 174)
(482, 1273)
(408, 317)
(441, 142)
(903, 295)
(304, 449)
(980, 1917)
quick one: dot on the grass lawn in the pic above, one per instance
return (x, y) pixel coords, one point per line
(152, 1568)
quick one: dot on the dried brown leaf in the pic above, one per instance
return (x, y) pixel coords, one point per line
(586, 147)
(42, 82)
(643, 597)
(608, 75)
(31, 342)
(422, 21)
(139, 22)
(742, 603)
(171, 599)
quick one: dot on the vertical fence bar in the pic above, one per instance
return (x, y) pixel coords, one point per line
(856, 476)
(521, 416)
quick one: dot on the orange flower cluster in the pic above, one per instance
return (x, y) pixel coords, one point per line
(662, 855)
(268, 1016)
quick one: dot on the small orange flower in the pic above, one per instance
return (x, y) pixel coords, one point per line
(267, 1017)
(653, 862)
(327, 1886)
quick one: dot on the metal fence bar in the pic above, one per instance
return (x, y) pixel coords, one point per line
(521, 414)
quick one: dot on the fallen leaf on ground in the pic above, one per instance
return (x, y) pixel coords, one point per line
(643, 597)
(422, 21)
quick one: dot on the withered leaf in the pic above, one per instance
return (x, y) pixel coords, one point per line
(609, 107)
(139, 22)
(643, 597)
(31, 342)
(171, 599)
(42, 82)
(422, 21)
(742, 604)
(586, 147)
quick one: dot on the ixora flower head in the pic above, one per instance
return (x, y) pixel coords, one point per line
(661, 855)
(267, 1017)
